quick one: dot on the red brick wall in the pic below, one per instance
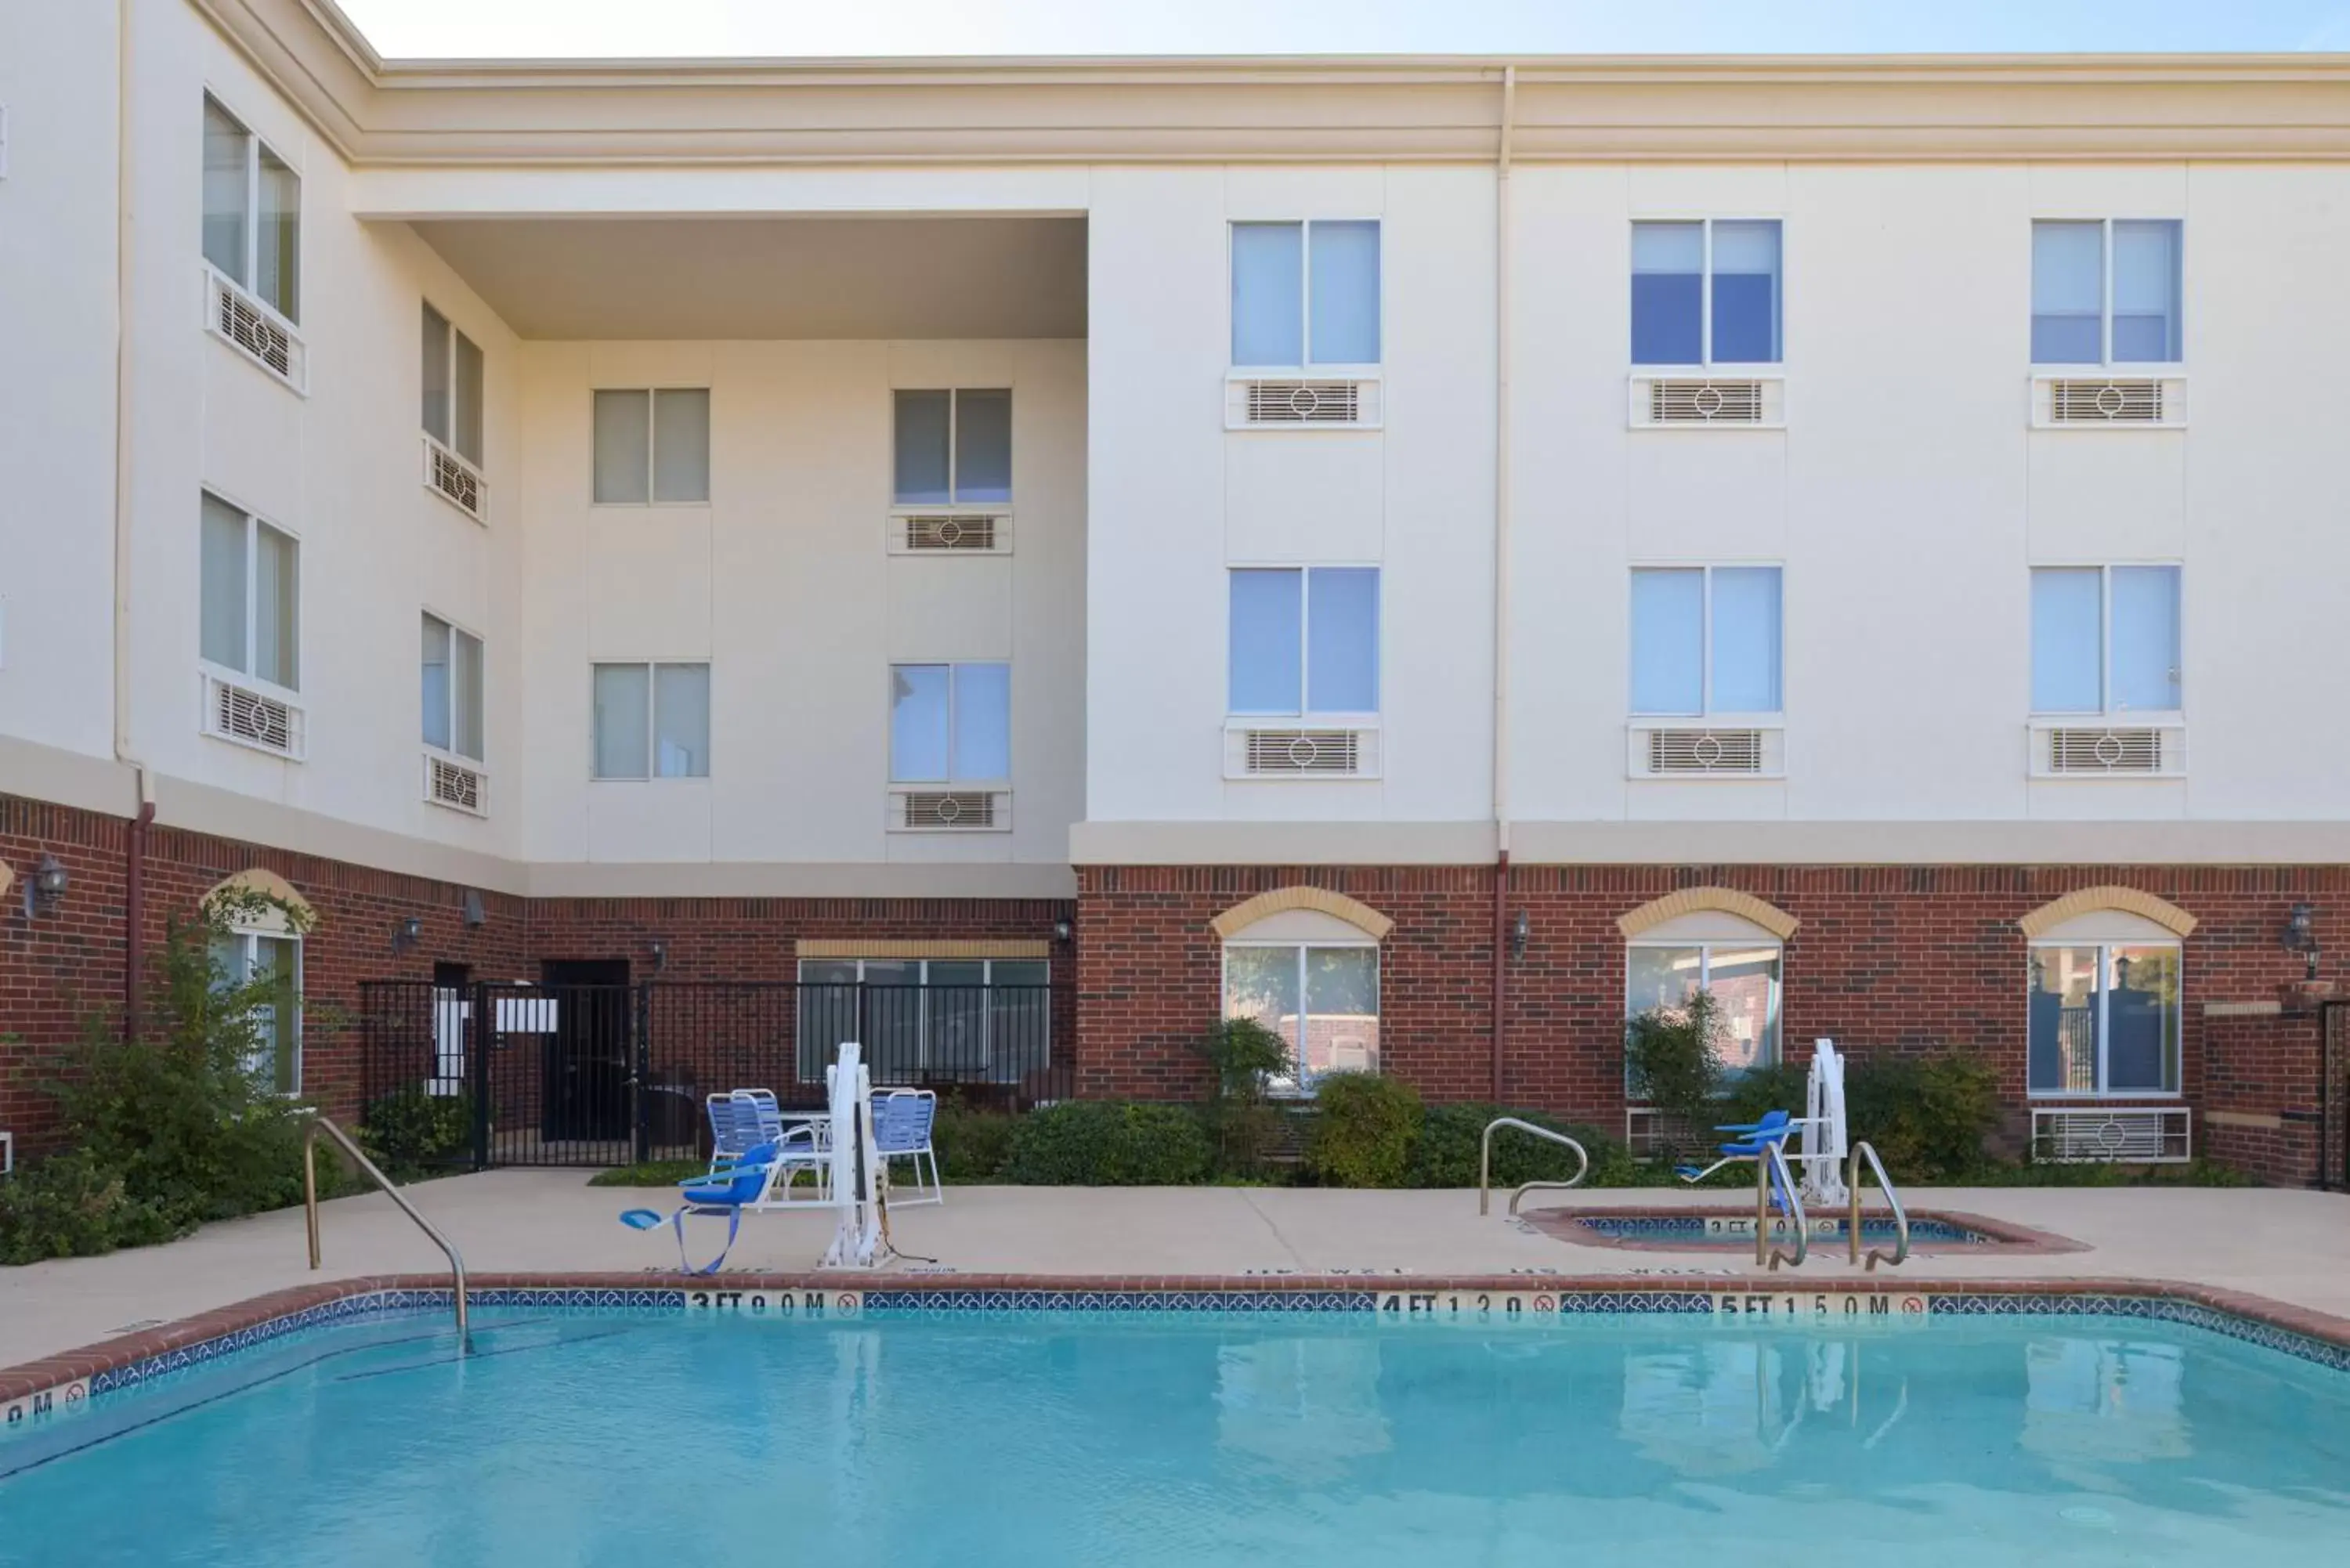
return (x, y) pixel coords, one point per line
(2261, 1078)
(1887, 958)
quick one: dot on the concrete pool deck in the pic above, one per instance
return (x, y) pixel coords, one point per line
(2291, 1247)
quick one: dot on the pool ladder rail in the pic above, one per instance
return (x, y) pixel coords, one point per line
(1900, 1253)
(1485, 1165)
(1769, 1170)
(319, 1124)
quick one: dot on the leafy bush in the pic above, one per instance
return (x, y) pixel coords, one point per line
(409, 1134)
(1109, 1142)
(171, 1128)
(1927, 1118)
(974, 1143)
(1446, 1151)
(1242, 1054)
(1672, 1059)
(1364, 1127)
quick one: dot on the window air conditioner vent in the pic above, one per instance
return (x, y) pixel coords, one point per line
(926, 533)
(455, 786)
(1705, 752)
(2114, 750)
(1705, 401)
(266, 723)
(1306, 753)
(455, 481)
(239, 319)
(2134, 400)
(2152, 1135)
(961, 810)
(1293, 403)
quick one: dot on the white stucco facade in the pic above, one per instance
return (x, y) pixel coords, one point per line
(1906, 496)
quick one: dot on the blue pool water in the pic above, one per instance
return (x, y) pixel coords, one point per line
(1132, 1439)
(1738, 1230)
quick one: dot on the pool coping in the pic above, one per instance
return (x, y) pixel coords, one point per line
(39, 1388)
(2006, 1237)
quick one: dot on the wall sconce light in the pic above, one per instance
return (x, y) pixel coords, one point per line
(660, 956)
(1519, 930)
(406, 934)
(45, 889)
(1063, 930)
(2301, 935)
(471, 911)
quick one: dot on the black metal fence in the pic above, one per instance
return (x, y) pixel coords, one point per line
(505, 1074)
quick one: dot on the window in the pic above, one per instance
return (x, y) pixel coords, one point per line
(2106, 293)
(954, 447)
(1742, 974)
(1305, 639)
(452, 687)
(453, 387)
(251, 592)
(984, 1021)
(653, 447)
(1306, 294)
(2104, 639)
(950, 723)
(1324, 1000)
(252, 212)
(270, 959)
(652, 721)
(2105, 1018)
(1705, 639)
(1706, 293)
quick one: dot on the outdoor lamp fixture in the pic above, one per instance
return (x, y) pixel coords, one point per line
(2301, 935)
(471, 911)
(1519, 928)
(660, 955)
(406, 934)
(45, 889)
(1063, 930)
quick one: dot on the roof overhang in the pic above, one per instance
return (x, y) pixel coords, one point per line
(1862, 109)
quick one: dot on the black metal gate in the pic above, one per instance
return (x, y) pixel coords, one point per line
(586, 1074)
(2334, 1100)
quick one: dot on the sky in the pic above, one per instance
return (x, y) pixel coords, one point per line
(425, 28)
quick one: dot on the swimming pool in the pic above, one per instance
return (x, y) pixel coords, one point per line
(1703, 1229)
(1345, 1435)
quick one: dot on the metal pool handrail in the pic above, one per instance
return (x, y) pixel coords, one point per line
(319, 1124)
(1485, 1164)
(1900, 1215)
(1774, 1163)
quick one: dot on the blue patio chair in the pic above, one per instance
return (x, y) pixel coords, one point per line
(1753, 1138)
(727, 1190)
(903, 1120)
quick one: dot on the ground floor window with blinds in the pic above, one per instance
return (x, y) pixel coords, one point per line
(2105, 1018)
(272, 962)
(951, 1020)
(1742, 975)
(1322, 1000)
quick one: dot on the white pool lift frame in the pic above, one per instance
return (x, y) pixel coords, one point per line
(1826, 1138)
(856, 1240)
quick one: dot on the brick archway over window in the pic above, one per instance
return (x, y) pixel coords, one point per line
(268, 885)
(2092, 900)
(1359, 915)
(1707, 900)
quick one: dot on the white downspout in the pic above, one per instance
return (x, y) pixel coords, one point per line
(1499, 1088)
(125, 751)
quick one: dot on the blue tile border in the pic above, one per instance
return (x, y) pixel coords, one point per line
(1352, 1302)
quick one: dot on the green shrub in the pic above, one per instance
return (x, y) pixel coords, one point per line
(411, 1134)
(974, 1143)
(1672, 1060)
(1109, 1142)
(69, 1206)
(1926, 1118)
(1364, 1125)
(1446, 1151)
(1241, 1054)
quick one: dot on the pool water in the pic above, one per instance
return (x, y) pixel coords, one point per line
(1738, 1230)
(1307, 1441)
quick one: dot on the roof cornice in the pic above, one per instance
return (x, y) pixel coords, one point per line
(1440, 108)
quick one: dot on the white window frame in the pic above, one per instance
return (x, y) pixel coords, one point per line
(1293, 1085)
(1706, 709)
(954, 722)
(2176, 1045)
(1747, 370)
(1309, 366)
(2106, 360)
(652, 452)
(652, 667)
(447, 440)
(2105, 709)
(241, 939)
(1306, 708)
(953, 503)
(249, 677)
(254, 142)
(1705, 947)
(457, 628)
